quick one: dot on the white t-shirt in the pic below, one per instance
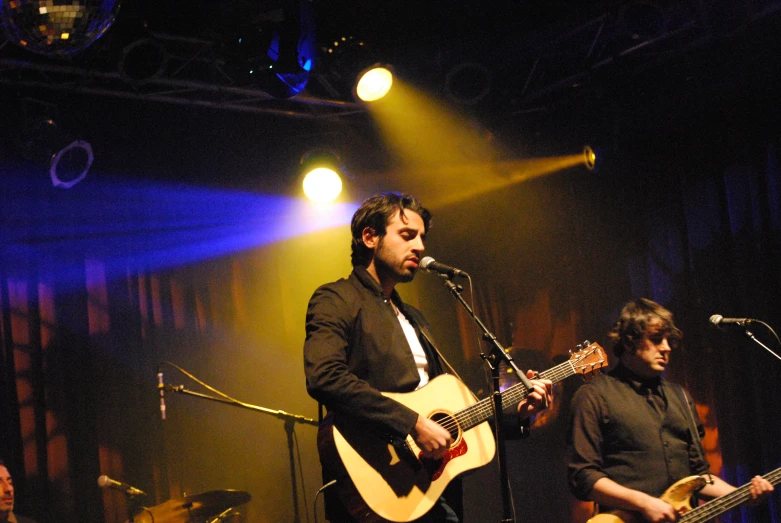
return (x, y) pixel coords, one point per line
(417, 349)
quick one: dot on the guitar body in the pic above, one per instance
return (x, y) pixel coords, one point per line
(678, 495)
(381, 482)
(393, 481)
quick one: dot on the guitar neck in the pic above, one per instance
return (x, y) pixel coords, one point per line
(726, 502)
(483, 409)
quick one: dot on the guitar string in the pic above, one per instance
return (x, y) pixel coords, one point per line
(478, 412)
(484, 408)
(727, 501)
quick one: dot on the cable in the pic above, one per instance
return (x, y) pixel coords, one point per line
(314, 505)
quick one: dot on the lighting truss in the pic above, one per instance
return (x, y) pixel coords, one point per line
(192, 74)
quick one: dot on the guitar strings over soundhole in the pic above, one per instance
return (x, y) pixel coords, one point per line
(446, 420)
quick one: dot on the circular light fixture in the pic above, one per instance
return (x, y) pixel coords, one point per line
(322, 185)
(71, 164)
(468, 83)
(589, 158)
(373, 83)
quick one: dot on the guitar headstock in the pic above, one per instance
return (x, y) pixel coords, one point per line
(588, 357)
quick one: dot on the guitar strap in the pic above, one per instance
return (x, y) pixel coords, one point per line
(692, 424)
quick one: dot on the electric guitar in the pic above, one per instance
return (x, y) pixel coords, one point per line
(395, 482)
(679, 496)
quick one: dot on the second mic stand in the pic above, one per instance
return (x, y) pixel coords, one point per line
(496, 356)
(290, 421)
(750, 335)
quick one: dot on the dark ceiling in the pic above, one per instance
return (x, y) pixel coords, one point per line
(542, 69)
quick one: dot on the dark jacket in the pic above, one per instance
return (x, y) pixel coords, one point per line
(355, 348)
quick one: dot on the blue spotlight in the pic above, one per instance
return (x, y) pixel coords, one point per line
(143, 226)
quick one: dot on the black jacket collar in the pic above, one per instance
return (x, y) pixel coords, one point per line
(368, 281)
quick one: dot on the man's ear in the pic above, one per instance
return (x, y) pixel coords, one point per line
(370, 238)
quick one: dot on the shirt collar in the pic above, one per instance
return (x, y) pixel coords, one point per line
(639, 384)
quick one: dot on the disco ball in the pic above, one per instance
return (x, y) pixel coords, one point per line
(56, 27)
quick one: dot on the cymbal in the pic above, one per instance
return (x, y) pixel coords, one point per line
(197, 506)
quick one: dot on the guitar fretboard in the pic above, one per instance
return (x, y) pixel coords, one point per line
(483, 409)
(726, 502)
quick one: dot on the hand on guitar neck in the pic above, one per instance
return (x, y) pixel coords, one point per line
(539, 398)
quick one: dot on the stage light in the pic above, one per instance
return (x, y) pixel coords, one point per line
(321, 170)
(468, 83)
(43, 140)
(322, 185)
(71, 164)
(373, 83)
(143, 59)
(350, 70)
(276, 56)
(590, 158)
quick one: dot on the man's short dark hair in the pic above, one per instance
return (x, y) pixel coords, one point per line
(638, 319)
(375, 213)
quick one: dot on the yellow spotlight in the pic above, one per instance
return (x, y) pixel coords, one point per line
(589, 158)
(374, 83)
(322, 185)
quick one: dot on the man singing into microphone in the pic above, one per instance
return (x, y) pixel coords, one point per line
(361, 340)
(632, 433)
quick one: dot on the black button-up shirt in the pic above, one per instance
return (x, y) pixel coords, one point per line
(633, 431)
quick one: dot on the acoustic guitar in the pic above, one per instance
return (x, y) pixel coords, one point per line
(395, 481)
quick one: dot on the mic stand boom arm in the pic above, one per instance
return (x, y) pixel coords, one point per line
(290, 421)
(498, 354)
(281, 414)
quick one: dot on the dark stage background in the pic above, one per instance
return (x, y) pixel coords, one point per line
(172, 249)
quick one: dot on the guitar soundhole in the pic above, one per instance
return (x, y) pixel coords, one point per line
(449, 423)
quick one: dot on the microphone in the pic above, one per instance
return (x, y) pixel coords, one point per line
(431, 265)
(107, 482)
(160, 387)
(718, 320)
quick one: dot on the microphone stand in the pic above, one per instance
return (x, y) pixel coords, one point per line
(750, 335)
(132, 507)
(290, 421)
(497, 355)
